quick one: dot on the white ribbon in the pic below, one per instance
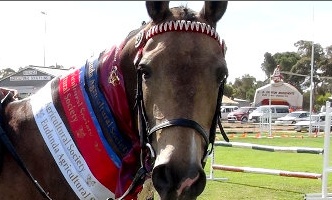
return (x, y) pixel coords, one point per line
(63, 149)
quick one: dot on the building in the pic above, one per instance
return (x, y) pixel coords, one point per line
(242, 102)
(30, 79)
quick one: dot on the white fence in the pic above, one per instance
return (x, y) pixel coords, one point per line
(263, 125)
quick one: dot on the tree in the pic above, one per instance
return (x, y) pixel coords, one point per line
(305, 48)
(269, 64)
(326, 68)
(244, 87)
(303, 66)
(298, 66)
(250, 94)
(287, 60)
(6, 72)
(321, 100)
(228, 90)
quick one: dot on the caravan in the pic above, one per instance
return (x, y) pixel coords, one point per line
(225, 110)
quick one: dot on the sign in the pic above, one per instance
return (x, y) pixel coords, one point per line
(30, 78)
(30, 72)
(281, 94)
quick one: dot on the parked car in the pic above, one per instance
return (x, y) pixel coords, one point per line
(225, 110)
(317, 123)
(293, 117)
(264, 112)
(241, 114)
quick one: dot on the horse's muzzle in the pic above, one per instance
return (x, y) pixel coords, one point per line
(178, 183)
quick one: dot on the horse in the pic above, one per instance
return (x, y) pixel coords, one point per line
(144, 110)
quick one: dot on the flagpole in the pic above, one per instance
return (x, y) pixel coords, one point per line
(270, 110)
(44, 13)
(312, 67)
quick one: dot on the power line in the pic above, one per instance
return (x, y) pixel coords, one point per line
(291, 73)
(296, 74)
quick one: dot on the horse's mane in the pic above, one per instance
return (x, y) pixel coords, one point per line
(135, 31)
(1, 156)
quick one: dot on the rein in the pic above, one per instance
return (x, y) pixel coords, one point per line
(10, 147)
(8, 144)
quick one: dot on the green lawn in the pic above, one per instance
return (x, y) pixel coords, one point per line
(266, 187)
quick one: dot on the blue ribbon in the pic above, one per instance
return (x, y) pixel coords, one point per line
(103, 113)
(114, 157)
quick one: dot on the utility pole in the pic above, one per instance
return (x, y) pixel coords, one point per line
(44, 13)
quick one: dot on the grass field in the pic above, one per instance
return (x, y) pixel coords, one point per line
(266, 187)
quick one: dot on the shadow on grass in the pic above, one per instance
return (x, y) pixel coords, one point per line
(256, 186)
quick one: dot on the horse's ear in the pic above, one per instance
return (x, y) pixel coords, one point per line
(212, 11)
(157, 10)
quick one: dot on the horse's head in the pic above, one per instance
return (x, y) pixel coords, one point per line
(180, 74)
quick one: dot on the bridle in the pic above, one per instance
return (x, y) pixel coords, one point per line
(145, 132)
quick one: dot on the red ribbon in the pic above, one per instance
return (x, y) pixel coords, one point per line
(84, 131)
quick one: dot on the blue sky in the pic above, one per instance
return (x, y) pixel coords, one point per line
(75, 30)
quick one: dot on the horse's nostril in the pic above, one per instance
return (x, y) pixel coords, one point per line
(172, 184)
(162, 179)
(198, 186)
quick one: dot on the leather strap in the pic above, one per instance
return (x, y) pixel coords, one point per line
(8, 144)
(181, 122)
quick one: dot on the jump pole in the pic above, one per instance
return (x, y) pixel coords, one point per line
(326, 166)
(211, 177)
(267, 171)
(270, 148)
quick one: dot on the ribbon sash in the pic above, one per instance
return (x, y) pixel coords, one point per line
(103, 113)
(101, 161)
(63, 149)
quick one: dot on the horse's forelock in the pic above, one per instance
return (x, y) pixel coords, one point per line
(184, 13)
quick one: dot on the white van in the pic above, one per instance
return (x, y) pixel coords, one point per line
(263, 111)
(225, 110)
(317, 122)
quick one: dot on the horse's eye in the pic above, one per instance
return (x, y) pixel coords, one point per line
(146, 71)
(221, 74)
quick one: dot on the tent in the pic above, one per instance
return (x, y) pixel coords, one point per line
(281, 94)
(227, 101)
